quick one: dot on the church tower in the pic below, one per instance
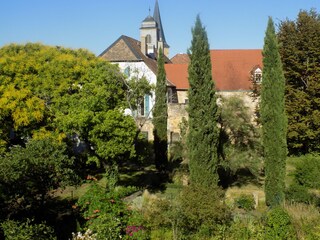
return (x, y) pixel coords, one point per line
(152, 35)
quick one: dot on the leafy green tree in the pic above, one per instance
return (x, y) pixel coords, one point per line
(300, 52)
(63, 93)
(273, 119)
(240, 146)
(160, 117)
(34, 170)
(202, 139)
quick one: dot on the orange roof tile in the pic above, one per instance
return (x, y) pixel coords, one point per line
(180, 58)
(177, 74)
(230, 69)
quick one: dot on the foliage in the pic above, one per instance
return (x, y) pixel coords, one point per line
(245, 202)
(273, 119)
(63, 93)
(278, 225)
(136, 89)
(160, 117)
(144, 150)
(14, 230)
(306, 178)
(307, 171)
(178, 150)
(41, 166)
(105, 212)
(300, 52)
(246, 228)
(305, 219)
(113, 136)
(202, 139)
(236, 122)
(202, 207)
(239, 146)
(88, 235)
(299, 194)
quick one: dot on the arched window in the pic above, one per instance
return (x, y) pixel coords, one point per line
(148, 38)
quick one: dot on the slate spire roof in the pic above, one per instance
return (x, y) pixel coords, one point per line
(157, 18)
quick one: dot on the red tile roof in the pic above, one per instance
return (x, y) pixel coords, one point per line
(177, 74)
(230, 69)
(180, 58)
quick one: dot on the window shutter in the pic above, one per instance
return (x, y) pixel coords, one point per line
(146, 105)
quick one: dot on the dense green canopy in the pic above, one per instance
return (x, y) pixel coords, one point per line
(70, 94)
(300, 52)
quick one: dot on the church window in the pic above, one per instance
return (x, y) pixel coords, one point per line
(148, 40)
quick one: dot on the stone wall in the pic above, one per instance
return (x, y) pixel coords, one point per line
(178, 111)
(175, 114)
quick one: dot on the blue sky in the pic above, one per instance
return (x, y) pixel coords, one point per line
(95, 24)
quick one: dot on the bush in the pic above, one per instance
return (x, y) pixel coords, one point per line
(306, 220)
(245, 202)
(14, 230)
(246, 228)
(202, 207)
(278, 225)
(307, 171)
(105, 212)
(298, 193)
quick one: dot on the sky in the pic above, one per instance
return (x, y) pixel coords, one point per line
(96, 24)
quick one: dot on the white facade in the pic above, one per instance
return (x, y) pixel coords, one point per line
(139, 70)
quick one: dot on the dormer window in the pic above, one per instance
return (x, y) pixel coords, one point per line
(257, 75)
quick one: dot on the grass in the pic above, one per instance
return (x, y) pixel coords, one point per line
(290, 168)
(74, 192)
(146, 177)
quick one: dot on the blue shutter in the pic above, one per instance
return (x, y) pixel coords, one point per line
(127, 71)
(146, 105)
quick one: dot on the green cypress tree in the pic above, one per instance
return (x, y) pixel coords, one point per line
(202, 140)
(273, 119)
(160, 117)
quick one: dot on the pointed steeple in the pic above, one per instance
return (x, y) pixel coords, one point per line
(157, 18)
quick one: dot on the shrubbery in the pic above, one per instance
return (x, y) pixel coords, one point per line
(245, 202)
(307, 171)
(278, 225)
(14, 230)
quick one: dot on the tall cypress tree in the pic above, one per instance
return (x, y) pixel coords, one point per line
(273, 119)
(202, 140)
(160, 117)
